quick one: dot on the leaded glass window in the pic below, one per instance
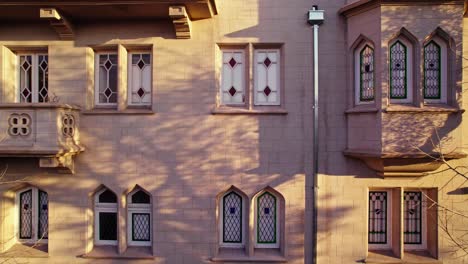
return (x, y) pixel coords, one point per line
(432, 71)
(377, 217)
(232, 218)
(412, 217)
(398, 71)
(105, 222)
(106, 79)
(33, 76)
(232, 78)
(266, 219)
(26, 207)
(366, 74)
(33, 209)
(139, 79)
(267, 77)
(139, 218)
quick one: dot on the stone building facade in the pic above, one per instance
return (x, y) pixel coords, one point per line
(182, 131)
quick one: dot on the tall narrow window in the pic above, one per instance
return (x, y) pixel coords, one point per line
(33, 78)
(398, 71)
(413, 218)
(267, 220)
(139, 79)
(267, 77)
(105, 222)
(232, 78)
(432, 71)
(378, 217)
(106, 79)
(232, 221)
(33, 215)
(139, 218)
(366, 74)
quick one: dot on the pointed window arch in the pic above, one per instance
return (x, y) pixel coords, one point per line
(105, 222)
(232, 209)
(139, 218)
(398, 70)
(432, 71)
(268, 214)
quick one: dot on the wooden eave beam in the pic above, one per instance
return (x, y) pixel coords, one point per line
(59, 23)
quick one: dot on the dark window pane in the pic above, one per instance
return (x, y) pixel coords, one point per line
(107, 197)
(141, 197)
(26, 214)
(43, 216)
(377, 217)
(141, 227)
(108, 226)
(413, 218)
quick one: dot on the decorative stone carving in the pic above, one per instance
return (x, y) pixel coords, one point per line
(19, 125)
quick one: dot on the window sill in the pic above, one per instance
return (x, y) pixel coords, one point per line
(362, 109)
(26, 251)
(425, 109)
(239, 255)
(382, 257)
(129, 111)
(244, 111)
(110, 252)
(419, 257)
(39, 105)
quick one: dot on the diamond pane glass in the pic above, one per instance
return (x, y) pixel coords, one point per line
(232, 218)
(266, 77)
(26, 214)
(43, 80)
(140, 79)
(107, 226)
(266, 219)
(25, 75)
(232, 78)
(413, 218)
(107, 197)
(107, 79)
(398, 71)
(367, 74)
(140, 197)
(432, 71)
(43, 225)
(377, 217)
(141, 226)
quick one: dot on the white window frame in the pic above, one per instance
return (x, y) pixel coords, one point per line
(443, 71)
(243, 222)
(138, 208)
(423, 245)
(34, 216)
(104, 208)
(278, 219)
(245, 91)
(34, 75)
(130, 78)
(278, 77)
(387, 245)
(96, 78)
(357, 74)
(409, 72)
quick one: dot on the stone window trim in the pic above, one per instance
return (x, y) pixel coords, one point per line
(138, 208)
(35, 209)
(252, 251)
(250, 104)
(123, 103)
(400, 227)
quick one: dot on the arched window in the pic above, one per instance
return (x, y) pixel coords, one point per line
(364, 74)
(400, 70)
(267, 221)
(105, 221)
(232, 221)
(139, 218)
(435, 71)
(33, 215)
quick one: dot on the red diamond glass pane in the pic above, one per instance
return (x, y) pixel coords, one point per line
(267, 62)
(232, 62)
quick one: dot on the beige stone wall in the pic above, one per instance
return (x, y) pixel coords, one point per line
(182, 154)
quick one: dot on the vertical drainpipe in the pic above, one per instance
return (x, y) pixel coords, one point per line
(315, 18)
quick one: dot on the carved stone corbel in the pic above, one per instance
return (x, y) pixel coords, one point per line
(181, 20)
(59, 23)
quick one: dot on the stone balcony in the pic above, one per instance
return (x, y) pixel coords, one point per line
(49, 132)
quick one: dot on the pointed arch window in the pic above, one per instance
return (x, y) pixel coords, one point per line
(105, 222)
(435, 71)
(398, 71)
(233, 224)
(33, 211)
(367, 74)
(139, 218)
(267, 228)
